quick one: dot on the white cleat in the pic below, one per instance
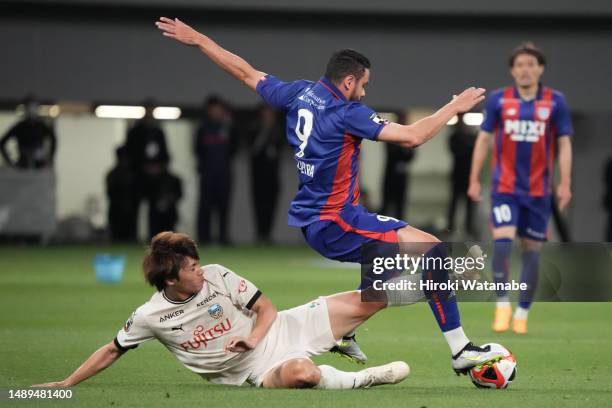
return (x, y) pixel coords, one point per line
(391, 373)
(471, 356)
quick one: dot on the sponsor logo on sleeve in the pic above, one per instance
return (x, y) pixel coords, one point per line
(243, 286)
(128, 324)
(376, 118)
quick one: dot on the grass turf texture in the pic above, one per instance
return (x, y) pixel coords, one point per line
(54, 315)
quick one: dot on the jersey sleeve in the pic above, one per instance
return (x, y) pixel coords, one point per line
(562, 118)
(361, 121)
(490, 113)
(134, 332)
(242, 292)
(278, 93)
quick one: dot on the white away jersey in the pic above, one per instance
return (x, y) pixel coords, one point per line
(197, 329)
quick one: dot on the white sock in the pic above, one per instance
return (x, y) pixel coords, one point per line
(503, 301)
(456, 339)
(521, 314)
(334, 379)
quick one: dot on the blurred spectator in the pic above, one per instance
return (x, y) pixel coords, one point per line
(35, 139)
(265, 137)
(147, 153)
(166, 194)
(607, 202)
(461, 144)
(214, 146)
(121, 189)
(397, 180)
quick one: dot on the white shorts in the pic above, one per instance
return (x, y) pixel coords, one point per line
(301, 332)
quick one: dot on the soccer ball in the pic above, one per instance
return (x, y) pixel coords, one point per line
(498, 373)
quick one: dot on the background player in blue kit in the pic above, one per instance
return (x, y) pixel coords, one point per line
(526, 121)
(325, 125)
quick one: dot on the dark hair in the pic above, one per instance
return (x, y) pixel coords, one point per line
(346, 62)
(213, 100)
(528, 48)
(166, 255)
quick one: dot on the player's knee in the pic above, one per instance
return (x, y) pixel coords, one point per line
(410, 234)
(531, 245)
(302, 373)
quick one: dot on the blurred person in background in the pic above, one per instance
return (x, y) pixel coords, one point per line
(526, 121)
(166, 194)
(461, 144)
(122, 193)
(265, 137)
(36, 141)
(396, 183)
(214, 146)
(607, 201)
(147, 153)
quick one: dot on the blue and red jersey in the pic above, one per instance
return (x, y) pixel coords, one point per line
(325, 131)
(525, 133)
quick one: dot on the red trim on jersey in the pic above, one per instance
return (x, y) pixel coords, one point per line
(342, 180)
(387, 236)
(538, 149)
(511, 110)
(330, 90)
(356, 191)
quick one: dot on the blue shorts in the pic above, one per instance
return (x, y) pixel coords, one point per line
(341, 236)
(528, 214)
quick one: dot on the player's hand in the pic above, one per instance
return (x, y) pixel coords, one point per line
(239, 345)
(564, 194)
(467, 99)
(474, 190)
(55, 384)
(178, 30)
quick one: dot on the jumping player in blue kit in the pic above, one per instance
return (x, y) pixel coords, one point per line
(326, 123)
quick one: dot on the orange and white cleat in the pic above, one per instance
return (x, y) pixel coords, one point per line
(519, 326)
(501, 322)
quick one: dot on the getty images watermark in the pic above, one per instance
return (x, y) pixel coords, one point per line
(469, 266)
(466, 270)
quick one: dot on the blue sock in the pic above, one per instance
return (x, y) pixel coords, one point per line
(529, 275)
(443, 303)
(502, 249)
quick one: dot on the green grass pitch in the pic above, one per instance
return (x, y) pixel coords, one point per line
(54, 315)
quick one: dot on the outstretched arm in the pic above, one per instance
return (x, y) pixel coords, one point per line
(231, 63)
(423, 130)
(98, 361)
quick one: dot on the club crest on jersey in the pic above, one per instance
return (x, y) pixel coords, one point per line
(376, 118)
(543, 112)
(215, 311)
(511, 111)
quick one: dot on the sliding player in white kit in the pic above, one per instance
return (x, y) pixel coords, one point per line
(220, 326)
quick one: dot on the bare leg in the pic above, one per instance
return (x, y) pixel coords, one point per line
(295, 373)
(347, 311)
(303, 373)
